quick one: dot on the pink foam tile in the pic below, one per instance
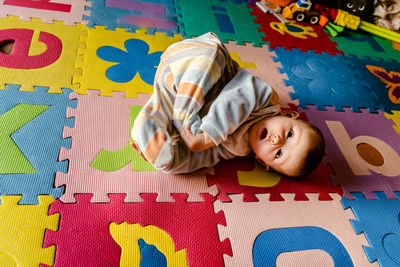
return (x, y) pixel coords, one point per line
(69, 11)
(246, 221)
(104, 123)
(343, 132)
(84, 239)
(266, 68)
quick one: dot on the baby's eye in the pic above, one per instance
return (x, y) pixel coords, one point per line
(349, 5)
(289, 134)
(278, 154)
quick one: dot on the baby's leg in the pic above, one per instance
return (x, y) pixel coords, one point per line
(136, 147)
(152, 133)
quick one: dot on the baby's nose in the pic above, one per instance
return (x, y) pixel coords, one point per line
(275, 139)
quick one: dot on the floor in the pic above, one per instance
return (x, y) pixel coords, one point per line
(74, 193)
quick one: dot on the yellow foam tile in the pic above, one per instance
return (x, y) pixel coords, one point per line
(43, 53)
(91, 70)
(396, 119)
(22, 232)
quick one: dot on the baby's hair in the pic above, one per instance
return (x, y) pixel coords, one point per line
(315, 154)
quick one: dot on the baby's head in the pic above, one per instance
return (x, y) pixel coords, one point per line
(287, 144)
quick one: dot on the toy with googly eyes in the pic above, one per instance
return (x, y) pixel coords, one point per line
(360, 8)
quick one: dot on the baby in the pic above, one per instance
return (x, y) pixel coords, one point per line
(205, 109)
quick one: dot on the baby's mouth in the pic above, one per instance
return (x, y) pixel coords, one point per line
(262, 133)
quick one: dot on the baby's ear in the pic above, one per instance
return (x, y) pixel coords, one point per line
(290, 113)
(262, 163)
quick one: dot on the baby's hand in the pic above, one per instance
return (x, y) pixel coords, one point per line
(198, 142)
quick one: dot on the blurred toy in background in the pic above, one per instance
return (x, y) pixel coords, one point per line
(280, 2)
(335, 15)
(361, 8)
(268, 6)
(327, 16)
(387, 14)
(305, 11)
(345, 19)
(272, 8)
(301, 11)
(335, 19)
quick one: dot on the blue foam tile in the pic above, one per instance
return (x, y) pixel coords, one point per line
(380, 85)
(379, 220)
(105, 13)
(282, 240)
(326, 80)
(39, 140)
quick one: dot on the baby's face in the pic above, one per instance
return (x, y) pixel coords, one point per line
(282, 143)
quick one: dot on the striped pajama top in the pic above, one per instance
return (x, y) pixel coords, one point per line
(198, 84)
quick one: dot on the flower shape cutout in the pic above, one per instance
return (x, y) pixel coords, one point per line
(330, 80)
(135, 59)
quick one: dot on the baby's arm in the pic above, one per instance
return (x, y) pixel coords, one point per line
(243, 95)
(196, 142)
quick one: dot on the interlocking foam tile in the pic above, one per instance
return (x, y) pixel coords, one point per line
(43, 53)
(109, 160)
(323, 80)
(70, 11)
(366, 46)
(135, 250)
(384, 80)
(84, 240)
(96, 121)
(152, 15)
(242, 175)
(22, 232)
(293, 34)
(13, 160)
(229, 20)
(119, 61)
(362, 148)
(379, 221)
(259, 61)
(396, 119)
(282, 227)
(34, 138)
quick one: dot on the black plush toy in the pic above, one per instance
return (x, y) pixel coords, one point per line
(360, 8)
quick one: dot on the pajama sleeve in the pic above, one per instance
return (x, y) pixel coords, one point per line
(244, 94)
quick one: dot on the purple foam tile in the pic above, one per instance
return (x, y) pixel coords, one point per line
(344, 132)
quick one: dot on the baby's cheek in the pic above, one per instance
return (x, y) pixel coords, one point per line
(265, 158)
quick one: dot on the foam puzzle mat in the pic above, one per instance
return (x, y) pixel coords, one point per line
(74, 193)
